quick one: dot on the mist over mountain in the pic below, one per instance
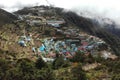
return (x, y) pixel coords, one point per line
(108, 24)
(104, 8)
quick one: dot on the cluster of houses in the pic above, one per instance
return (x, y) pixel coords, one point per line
(68, 46)
(40, 20)
(73, 42)
(71, 45)
(25, 40)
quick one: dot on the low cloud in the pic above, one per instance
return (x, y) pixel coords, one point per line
(88, 8)
(2, 6)
(96, 12)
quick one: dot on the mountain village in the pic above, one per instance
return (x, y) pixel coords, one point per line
(49, 43)
(64, 40)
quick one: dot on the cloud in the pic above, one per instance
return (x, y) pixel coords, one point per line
(14, 5)
(95, 11)
(2, 6)
(88, 8)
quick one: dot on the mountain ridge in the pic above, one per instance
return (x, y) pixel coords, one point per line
(6, 17)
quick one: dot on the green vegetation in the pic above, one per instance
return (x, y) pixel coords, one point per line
(78, 73)
(24, 69)
(80, 57)
(60, 69)
(40, 64)
(60, 63)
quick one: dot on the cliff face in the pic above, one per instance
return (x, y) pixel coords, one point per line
(6, 17)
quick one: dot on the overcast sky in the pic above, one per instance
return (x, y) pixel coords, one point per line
(106, 8)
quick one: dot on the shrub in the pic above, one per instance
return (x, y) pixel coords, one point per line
(60, 62)
(78, 73)
(40, 64)
(78, 57)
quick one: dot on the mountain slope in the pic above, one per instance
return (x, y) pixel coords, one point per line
(107, 24)
(84, 24)
(26, 60)
(87, 26)
(6, 17)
